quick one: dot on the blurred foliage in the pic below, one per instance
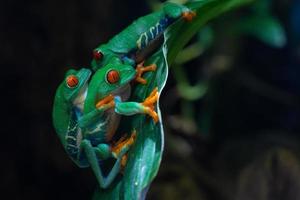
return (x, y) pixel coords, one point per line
(258, 23)
(265, 28)
(145, 156)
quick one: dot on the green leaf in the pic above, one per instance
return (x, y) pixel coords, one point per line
(179, 34)
(145, 155)
(265, 28)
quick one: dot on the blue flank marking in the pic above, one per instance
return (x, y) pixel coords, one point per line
(117, 100)
(153, 32)
(72, 132)
(144, 41)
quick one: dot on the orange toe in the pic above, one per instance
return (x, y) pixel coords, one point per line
(188, 15)
(123, 142)
(149, 104)
(141, 69)
(108, 100)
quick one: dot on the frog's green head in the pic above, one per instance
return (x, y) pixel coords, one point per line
(75, 84)
(101, 57)
(111, 78)
(71, 92)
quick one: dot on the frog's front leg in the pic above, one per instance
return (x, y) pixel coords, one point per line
(131, 108)
(140, 69)
(101, 107)
(123, 145)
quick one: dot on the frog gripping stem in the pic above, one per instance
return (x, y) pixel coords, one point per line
(89, 103)
(140, 69)
(149, 104)
(123, 143)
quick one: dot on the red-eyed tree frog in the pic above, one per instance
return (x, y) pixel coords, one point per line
(87, 109)
(67, 110)
(86, 127)
(139, 40)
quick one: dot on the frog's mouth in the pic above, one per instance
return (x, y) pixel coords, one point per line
(124, 92)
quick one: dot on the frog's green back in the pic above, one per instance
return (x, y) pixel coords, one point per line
(60, 115)
(63, 102)
(126, 40)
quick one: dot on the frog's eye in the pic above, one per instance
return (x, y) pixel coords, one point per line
(72, 81)
(112, 76)
(97, 55)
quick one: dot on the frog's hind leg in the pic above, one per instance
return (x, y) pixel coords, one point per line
(124, 143)
(92, 158)
(176, 11)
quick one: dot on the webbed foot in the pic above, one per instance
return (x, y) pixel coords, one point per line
(188, 15)
(140, 69)
(149, 104)
(107, 102)
(121, 147)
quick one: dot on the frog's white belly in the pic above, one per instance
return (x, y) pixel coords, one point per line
(114, 118)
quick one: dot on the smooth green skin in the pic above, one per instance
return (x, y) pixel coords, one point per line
(124, 45)
(99, 88)
(96, 125)
(64, 124)
(145, 156)
(63, 102)
(117, 55)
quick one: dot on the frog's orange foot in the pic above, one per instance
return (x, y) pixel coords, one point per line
(149, 104)
(188, 15)
(106, 101)
(140, 69)
(123, 143)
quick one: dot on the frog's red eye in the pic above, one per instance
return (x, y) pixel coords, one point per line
(113, 76)
(72, 81)
(97, 55)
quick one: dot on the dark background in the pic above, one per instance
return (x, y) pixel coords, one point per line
(248, 147)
